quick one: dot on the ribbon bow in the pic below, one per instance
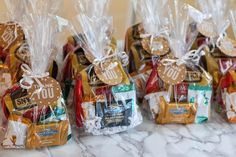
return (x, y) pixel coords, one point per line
(29, 77)
(192, 56)
(122, 55)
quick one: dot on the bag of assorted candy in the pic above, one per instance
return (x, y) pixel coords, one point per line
(227, 103)
(74, 57)
(35, 115)
(104, 95)
(212, 23)
(148, 44)
(179, 90)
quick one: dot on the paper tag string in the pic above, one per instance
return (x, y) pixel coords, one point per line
(122, 55)
(29, 77)
(192, 56)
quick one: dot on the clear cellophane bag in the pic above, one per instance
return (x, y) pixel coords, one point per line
(182, 93)
(212, 23)
(73, 53)
(104, 95)
(152, 42)
(226, 88)
(149, 12)
(34, 111)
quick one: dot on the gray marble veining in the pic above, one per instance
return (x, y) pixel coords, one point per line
(213, 139)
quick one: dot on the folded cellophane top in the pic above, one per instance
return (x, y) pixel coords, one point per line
(226, 88)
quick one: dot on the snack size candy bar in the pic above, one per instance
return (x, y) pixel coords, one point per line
(133, 35)
(53, 115)
(15, 136)
(153, 101)
(180, 113)
(114, 114)
(202, 96)
(88, 110)
(124, 93)
(182, 92)
(52, 134)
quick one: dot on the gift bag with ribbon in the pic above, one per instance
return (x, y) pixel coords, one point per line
(34, 110)
(104, 95)
(212, 22)
(73, 53)
(227, 90)
(151, 45)
(14, 49)
(182, 94)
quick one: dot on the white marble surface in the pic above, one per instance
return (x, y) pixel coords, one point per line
(214, 139)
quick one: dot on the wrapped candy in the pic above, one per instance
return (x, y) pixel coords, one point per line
(227, 105)
(74, 56)
(146, 47)
(104, 95)
(34, 109)
(183, 90)
(212, 23)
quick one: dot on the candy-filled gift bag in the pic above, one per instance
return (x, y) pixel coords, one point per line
(183, 90)
(152, 44)
(104, 96)
(227, 103)
(212, 23)
(75, 59)
(34, 110)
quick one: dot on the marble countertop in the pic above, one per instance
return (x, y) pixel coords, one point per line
(214, 139)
